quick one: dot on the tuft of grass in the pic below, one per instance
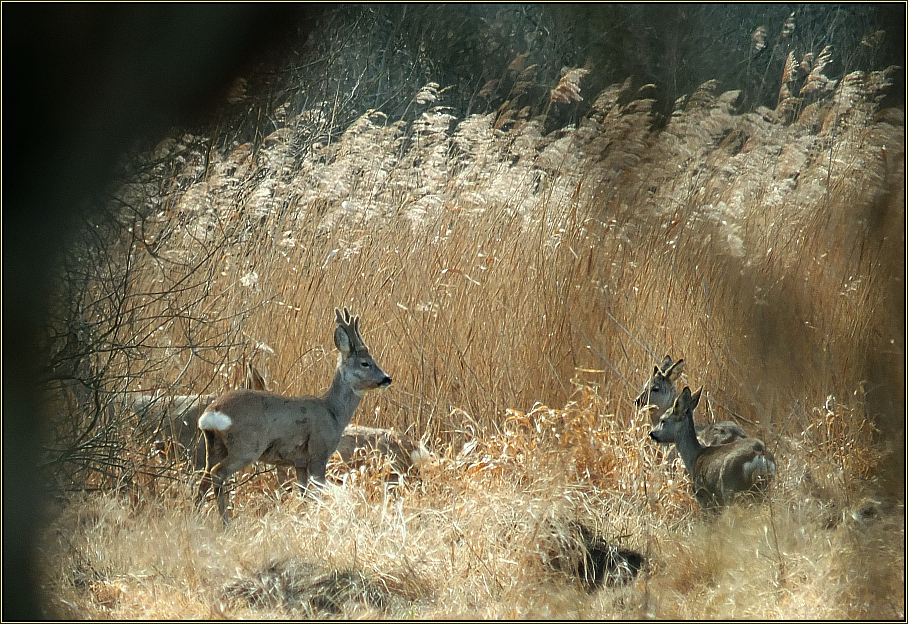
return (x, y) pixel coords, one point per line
(490, 533)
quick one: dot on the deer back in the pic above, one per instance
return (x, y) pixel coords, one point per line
(404, 452)
(744, 466)
(722, 432)
(256, 419)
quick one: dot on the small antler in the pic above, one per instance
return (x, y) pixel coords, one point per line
(350, 325)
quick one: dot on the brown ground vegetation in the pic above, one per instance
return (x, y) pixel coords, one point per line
(518, 285)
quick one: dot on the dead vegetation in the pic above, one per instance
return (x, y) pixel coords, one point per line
(520, 283)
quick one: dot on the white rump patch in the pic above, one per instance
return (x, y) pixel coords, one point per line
(760, 466)
(214, 420)
(420, 457)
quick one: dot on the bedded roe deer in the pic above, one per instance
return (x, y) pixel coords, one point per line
(248, 425)
(172, 421)
(719, 473)
(404, 453)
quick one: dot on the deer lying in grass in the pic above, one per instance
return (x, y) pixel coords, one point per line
(719, 473)
(661, 390)
(171, 422)
(404, 452)
(248, 425)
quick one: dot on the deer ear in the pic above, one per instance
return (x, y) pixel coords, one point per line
(342, 340)
(675, 369)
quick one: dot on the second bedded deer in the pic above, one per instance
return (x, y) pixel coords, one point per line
(660, 392)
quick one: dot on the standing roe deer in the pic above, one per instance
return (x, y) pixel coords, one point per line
(660, 391)
(718, 473)
(248, 425)
(404, 452)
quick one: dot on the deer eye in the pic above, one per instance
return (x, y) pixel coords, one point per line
(365, 364)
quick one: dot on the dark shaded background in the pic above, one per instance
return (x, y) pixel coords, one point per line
(81, 84)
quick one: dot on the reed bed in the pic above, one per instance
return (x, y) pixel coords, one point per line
(517, 297)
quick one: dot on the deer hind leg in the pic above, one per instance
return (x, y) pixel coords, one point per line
(205, 483)
(216, 452)
(302, 477)
(204, 486)
(219, 476)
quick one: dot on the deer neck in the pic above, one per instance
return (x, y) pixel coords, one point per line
(688, 446)
(342, 399)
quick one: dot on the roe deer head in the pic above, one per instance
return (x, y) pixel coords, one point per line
(661, 390)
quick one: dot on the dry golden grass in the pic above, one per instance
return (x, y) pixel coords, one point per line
(482, 534)
(516, 334)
